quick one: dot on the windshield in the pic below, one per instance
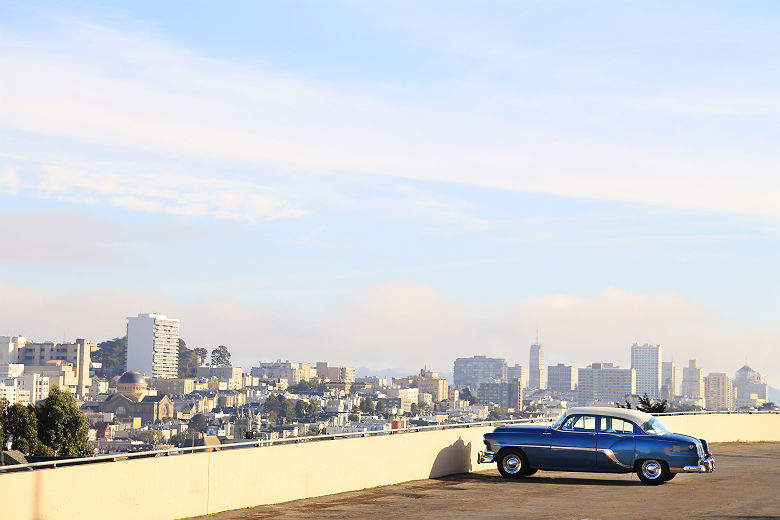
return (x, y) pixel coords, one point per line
(559, 420)
(654, 427)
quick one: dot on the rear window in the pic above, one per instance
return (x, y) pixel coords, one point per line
(615, 425)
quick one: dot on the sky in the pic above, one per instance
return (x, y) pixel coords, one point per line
(396, 185)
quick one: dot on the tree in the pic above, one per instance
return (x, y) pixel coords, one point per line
(188, 360)
(202, 354)
(466, 395)
(21, 422)
(199, 423)
(353, 417)
(626, 405)
(649, 405)
(380, 407)
(220, 357)
(113, 355)
(769, 405)
(3, 410)
(178, 439)
(62, 426)
(495, 414)
(150, 436)
(413, 408)
(367, 405)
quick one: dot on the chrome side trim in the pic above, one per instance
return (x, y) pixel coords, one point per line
(611, 456)
(575, 448)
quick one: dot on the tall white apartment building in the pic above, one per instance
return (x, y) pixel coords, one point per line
(646, 360)
(718, 392)
(670, 380)
(693, 381)
(537, 376)
(153, 345)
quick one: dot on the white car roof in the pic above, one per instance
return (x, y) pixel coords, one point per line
(635, 416)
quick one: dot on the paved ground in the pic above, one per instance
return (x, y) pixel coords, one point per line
(745, 485)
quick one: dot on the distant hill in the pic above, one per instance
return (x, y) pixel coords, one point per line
(774, 394)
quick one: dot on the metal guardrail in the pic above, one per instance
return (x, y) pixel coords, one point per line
(313, 438)
(259, 443)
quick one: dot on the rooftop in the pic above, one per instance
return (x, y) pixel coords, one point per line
(730, 492)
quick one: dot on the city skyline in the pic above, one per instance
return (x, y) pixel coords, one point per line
(397, 188)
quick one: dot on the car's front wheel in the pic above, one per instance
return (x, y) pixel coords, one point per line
(652, 471)
(512, 463)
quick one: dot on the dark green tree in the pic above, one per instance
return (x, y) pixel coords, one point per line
(179, 438)
(367, 405)
(220, 357)
(626, 405)
(62, 426)
(149, 436)
(199, 423)
(466, 395)
(495, 414)
(649, 405)
(353, 417)
(202, 354)
(414, 408)
(380, 407)
(113, 355)
(3, 408)
(20, 421)
(188, 360)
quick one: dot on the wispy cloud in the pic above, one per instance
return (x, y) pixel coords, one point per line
(139, 97)
(155, 193)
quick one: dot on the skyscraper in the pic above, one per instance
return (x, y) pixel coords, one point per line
(718, 392)
(646, 360)
(670, 380)
(693, 381)
(537, 377)
(153, 345)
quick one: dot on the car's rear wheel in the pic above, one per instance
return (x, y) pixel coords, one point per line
(512, 463)
(652, 471)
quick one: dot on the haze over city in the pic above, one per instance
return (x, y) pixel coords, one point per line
(395, 187)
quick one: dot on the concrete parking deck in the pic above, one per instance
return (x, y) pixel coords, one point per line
(745, 485)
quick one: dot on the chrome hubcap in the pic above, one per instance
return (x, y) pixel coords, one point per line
(512, 464)
(651, 469)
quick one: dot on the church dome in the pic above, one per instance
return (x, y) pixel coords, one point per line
(132, 385)
(132, 378)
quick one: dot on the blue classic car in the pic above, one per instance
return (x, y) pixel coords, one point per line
(604, 440)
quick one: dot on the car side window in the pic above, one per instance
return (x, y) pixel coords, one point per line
(580, 423)
(615, 425)
(568, 425)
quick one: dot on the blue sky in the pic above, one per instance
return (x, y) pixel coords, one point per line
(396, 185)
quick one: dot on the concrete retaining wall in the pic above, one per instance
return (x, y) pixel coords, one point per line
(196, 484)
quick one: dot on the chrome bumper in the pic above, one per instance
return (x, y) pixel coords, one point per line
(485, 457)
(705, 466)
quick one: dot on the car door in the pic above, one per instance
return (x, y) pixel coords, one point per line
(573, 444)
(615, 445)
